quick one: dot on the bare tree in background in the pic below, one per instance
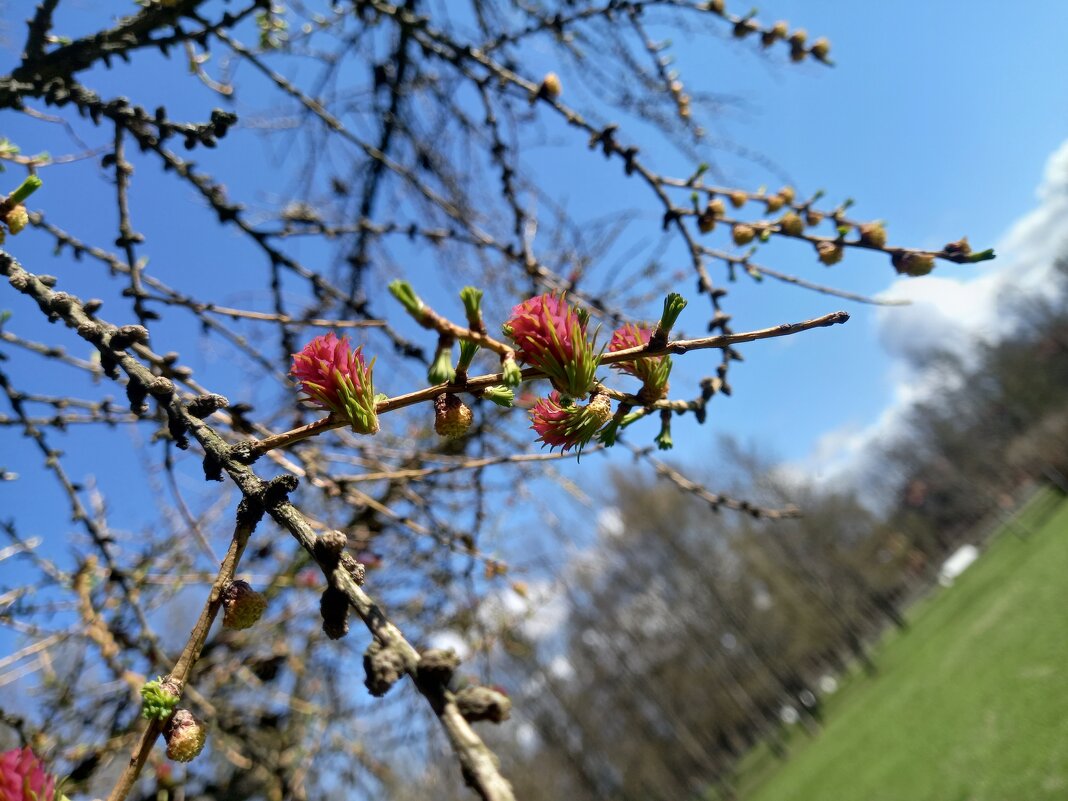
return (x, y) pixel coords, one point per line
(412, 137)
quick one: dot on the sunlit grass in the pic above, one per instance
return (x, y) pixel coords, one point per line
(969, 704)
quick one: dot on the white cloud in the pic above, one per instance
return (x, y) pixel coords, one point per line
(959, 309)
(560, 668)
(610, 522)
(955, 312)
(449, 639)
(526, 737)
(541, 612)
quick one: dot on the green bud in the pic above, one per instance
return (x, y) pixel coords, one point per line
(607, 435)
(158, 699)
(468, 350)
(441, 371)
(25, 189)
(982, 255)
(499, 394)
(663, 439)
(472, 300)
(674, 303)
(404, 293)
(702, 168)
(512, 374)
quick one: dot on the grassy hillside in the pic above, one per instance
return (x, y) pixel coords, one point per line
(969, 704)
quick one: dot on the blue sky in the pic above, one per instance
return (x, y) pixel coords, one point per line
(938, 118)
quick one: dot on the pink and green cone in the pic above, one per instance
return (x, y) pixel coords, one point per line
(565, 426)
(23, 777)
(334, 377)
(653, 371)
(550, 334)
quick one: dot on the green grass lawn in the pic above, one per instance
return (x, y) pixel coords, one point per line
(969, 704)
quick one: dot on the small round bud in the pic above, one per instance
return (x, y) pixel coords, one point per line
(452, 417)
(706, 221)
(185, 735)
(829, 252)
(204, 405)
(129, 335)
(813, 217)
(872, 234)
(438, 665)
(914, 264)
(17, 219)
(742, 234)
(820, 49)
(334, 609)
(774, 203)
(160, 387)
(787, 194)
(959, 249)
(717, 207)
(384, 666)
(743, 28)
(330, 544)
(738, 198)
(483, 703)
(780, 29)
(550, 86)
(797, 45)
(716, 6)
(243, 606)
(791, 224)
(355, 569)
